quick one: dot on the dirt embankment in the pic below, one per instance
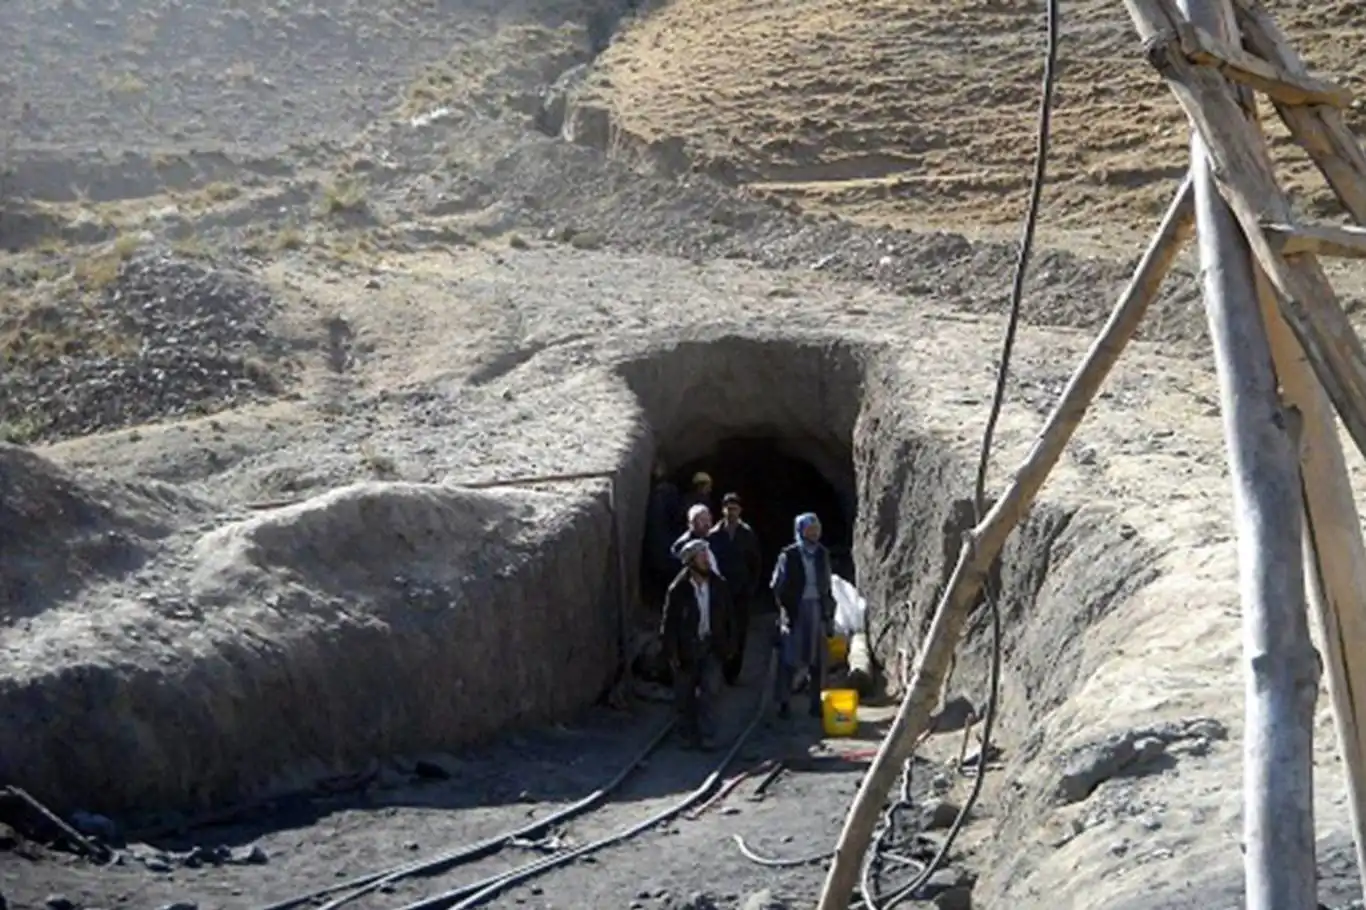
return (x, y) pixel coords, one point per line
(375, 619)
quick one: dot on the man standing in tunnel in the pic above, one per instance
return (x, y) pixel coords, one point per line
(700, 492)
(695, 631)
(664, 515)
(699, 526)
(737, 553)
(806, 610)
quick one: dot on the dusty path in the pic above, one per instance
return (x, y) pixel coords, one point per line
(308, 844)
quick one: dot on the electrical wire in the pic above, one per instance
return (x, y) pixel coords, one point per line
(447, 859)
(870, 899)
(472, 895)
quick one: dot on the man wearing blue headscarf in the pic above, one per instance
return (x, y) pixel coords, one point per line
(806, 609)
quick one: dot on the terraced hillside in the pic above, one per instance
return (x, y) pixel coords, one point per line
(922, 113)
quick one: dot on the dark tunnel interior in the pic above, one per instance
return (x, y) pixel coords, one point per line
(775, 485)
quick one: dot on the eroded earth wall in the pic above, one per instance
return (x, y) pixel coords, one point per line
(375, 619)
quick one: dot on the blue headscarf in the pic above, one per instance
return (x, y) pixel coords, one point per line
(800, 524)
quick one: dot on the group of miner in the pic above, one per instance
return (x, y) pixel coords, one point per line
(713, 579)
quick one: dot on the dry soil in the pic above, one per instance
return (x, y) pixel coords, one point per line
(283, 281)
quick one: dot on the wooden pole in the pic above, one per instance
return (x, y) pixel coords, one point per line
(1282, 669)
(1334, 556)
(984, 544)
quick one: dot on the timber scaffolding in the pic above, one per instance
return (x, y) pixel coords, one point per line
(1287, 360)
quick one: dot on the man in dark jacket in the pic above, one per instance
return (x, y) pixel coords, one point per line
(801, 585)
(737, 554)
(695, 633)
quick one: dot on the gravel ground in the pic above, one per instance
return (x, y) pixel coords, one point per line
(165, 338)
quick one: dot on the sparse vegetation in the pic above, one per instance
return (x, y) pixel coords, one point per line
(123, 84)
(289, 238)
(20, 431)
(95, 272)
(343, 196)
(356, 248)
(221, 192)
(190, 245)
(41, 331)
(382, 466)
(262, 242)
(262, 374)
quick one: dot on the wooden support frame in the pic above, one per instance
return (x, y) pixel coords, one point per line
(1284, 85)
(985, 542)
(1245, 176)
(1343, 241)
(1334, 557)
(1321, 131)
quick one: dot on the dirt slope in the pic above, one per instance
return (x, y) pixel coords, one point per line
(924, 113)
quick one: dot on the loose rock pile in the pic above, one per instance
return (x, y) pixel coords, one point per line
(167, 337)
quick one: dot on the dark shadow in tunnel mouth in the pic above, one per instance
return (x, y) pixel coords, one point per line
(775, 484)
(771, 419)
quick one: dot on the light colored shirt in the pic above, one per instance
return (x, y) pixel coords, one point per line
(702, 589)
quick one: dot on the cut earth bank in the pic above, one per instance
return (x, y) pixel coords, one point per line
(315, 633)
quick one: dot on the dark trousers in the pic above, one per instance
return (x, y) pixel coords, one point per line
(802, 647)
(731, 666)
(695, 686)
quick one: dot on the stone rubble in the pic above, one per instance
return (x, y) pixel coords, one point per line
(168, 337)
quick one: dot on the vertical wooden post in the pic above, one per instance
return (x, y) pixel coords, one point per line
(1334, 552)
(1334, 557)
(1282, 669)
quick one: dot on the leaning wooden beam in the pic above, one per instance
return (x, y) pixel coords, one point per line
(984, 544)
(1343, 241)
(1243, 169)
(1320, 130)
(1334, 557)
(1238, 65)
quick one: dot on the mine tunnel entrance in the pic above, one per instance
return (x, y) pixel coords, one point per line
(777, 478)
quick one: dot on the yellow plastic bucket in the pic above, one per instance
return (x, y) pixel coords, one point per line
(837, 649)
(839, 712)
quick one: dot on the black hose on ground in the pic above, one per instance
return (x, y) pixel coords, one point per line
(468, 896)
(371, 881)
